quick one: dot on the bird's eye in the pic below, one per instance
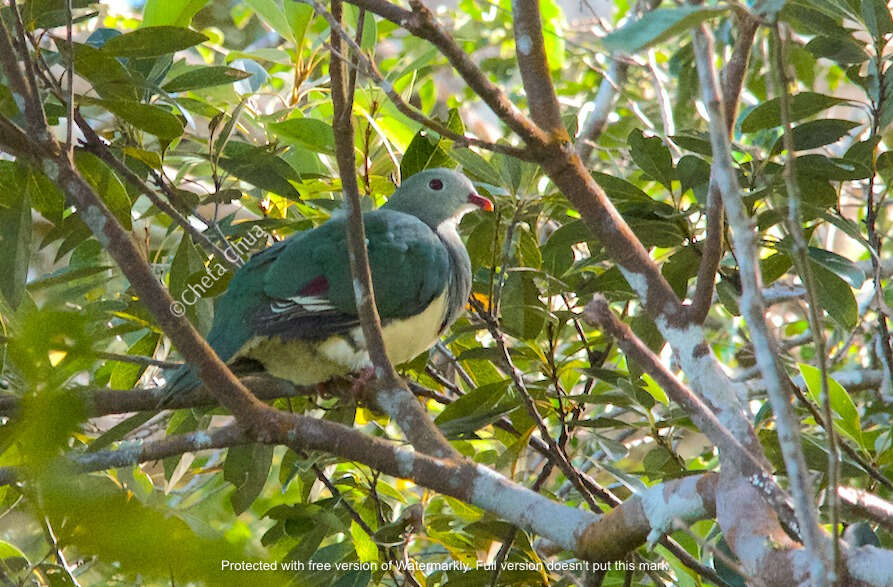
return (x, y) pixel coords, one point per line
(435, 184)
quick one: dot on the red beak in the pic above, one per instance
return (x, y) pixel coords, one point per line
(480, 201)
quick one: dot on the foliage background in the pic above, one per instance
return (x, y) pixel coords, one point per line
(231, 121)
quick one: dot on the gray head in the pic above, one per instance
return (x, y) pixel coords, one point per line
(437, 195)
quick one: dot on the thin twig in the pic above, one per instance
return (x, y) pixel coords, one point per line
(561, 457)
(136, 359)
(602, 106)
(367, 66)
(98, 146)
(69, 126)
(57, 550)
(795, 227)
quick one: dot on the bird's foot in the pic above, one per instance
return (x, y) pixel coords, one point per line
(360, 379)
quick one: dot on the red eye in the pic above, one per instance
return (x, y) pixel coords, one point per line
(435, 184)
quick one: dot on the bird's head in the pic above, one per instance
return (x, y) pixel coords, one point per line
(436, 196)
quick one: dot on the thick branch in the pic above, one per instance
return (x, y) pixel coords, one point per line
(392, 395)
(102, 402)
(592, 537)
(751, 465)
(868, 505)
(534, 67)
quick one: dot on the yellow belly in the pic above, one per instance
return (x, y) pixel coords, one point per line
(308, 363)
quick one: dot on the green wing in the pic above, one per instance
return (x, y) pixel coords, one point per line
(301, 288)
(310, 290)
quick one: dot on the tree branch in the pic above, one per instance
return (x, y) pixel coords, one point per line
(752, 465)
(744, 241)
(602, 106)
(804, 269)
(732, 76)
(368, 67)
(391, 395)
(103, 402)
(101, 150)
(111, 235)
(534, 67)
(868, 505)
(421, 22)
(24, 87)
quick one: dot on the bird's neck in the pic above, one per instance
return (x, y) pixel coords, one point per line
(459, 285)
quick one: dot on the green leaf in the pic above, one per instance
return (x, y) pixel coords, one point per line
(481, 241)
(558, 256)
(152, 41)
(474, 165)
(247, 468)
(876, 15)
(261, 168)
(300, 16)
(774, 266)
(9, 551)
(270, 11)
(428, 149)
(109, 78)
(655, 390)
(808, 19)
(483, 402)
(692, 172)
(125, 375)
(226, 133)
(354, 579)
(523, 315)
(656, 233)
(152, 119)
(17, 179)
(100, 518)
(694, 141)
(528, 248)
(119, 431)
(366, 549)
(841, 50)
(652, 156)
(842, 266)
(165, 12)
(817, 133)
(310, 133)
(841, 402)
(680, 267)
(15, 242)
(803, 105)
(823, 167)
(657, 26)
(107, 185)
(205, 77)
(150, 158)
(835, 296)
(553, 41)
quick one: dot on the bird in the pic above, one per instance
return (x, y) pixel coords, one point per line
(290, 309)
